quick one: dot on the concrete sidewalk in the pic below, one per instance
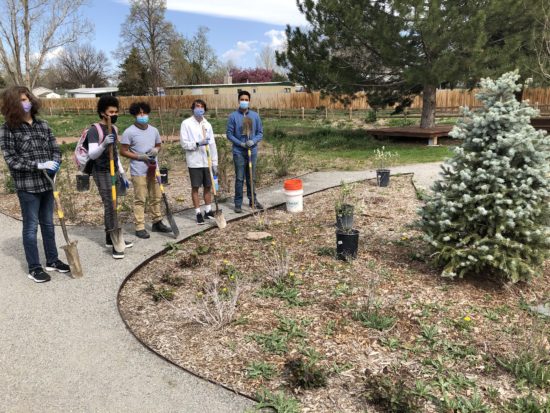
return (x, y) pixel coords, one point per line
(64, 347)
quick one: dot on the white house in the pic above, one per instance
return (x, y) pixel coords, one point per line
(92, 92)
(45, 93)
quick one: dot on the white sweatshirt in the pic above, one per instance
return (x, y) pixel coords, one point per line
(191, 133)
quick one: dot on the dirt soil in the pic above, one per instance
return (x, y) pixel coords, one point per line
(432, 344)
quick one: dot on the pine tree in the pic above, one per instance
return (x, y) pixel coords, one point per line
(489, 214)
(134, 78)
(393, 50)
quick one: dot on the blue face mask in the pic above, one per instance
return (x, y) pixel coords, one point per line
(198, 112)
(243, 104)
(142, 119)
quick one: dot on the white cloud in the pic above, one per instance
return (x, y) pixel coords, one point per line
(279, 12)
(237, 54)
(277, 39)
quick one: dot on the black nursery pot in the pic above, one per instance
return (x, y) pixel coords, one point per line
(82, 183)
(344, 216)
(164, 175)
(383, 177)
(346, 244)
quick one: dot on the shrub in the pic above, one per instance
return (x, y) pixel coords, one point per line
(371, 116)
(490, 212)
(305, 373)
(284, 156)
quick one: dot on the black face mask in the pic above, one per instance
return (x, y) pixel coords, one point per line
(114, 119)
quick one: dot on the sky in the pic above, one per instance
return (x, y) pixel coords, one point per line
(239, 29)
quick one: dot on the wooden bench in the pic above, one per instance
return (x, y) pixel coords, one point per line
(432, 134)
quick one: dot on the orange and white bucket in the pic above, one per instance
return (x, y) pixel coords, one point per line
(294, 192)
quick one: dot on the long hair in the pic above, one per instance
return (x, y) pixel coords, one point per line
(11, 105)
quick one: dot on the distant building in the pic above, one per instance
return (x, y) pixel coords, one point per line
(92, 92)
(45, 93)
(231, 88)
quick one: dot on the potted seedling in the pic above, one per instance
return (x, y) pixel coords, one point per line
(382, 160)
(163, 171)
(347, 238)
(343, 207)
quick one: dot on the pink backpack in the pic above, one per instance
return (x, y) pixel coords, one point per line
(81, 157)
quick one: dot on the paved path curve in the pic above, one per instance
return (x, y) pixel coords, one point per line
(64, 348)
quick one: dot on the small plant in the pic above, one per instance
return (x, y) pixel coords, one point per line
(190, 261)
(279, 401)
(277, 265)
(260, 369)
(528, 404)
(373, 317)
(527, 366)
(159, 294)
(284, 156)
(391, 394)
(371, 116)
(343, 202)
(305, 373)
(429, 332)
(216, 305)
(203, 250)
(173, 247)
(383, 158)
(173, 280)
(277, 340)
(326, 252)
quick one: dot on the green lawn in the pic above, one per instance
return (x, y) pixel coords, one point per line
(320, 144)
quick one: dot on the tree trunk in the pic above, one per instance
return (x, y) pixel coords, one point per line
(428, 106)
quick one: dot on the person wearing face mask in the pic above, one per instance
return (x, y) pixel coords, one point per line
(195, 134)
(141, 143)
(242, 143)
(29, 149)
(98, 151)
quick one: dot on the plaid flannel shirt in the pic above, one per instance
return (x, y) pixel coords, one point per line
(23, 148)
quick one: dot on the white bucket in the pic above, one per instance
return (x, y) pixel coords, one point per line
(294, 200)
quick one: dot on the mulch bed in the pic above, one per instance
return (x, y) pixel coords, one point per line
(438, 329)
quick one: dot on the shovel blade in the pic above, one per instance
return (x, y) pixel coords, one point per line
(173, 225)
(118, 240)
(71, 252)
(220, 219)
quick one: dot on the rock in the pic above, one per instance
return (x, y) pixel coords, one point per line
(543, 309)
(257, 235)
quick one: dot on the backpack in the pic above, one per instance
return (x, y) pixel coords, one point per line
(80, 156)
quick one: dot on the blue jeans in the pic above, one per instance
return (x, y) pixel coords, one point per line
(240, 159)
(38, 209)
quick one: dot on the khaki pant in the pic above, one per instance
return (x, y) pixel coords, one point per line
(146, 188)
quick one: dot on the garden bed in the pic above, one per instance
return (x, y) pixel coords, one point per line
(382, 333)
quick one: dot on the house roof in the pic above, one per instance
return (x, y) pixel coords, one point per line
(93, 90)
(41, 91)
(220, 85)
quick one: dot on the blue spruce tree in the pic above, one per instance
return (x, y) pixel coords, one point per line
(489, 214)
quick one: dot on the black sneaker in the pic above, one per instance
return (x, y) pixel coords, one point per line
(117, 255)
(58, 266)
(238, 210)
(109, 243)
(143, 234)
(38, 275)
(256, 204)
(160, 227)
(209, 215)
(200, 219)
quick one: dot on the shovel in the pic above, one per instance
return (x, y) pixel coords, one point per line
(70, 249)
(218, 215)
(169, 215)
(247, 129)
(116, 234)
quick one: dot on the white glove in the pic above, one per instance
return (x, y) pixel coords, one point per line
(153, 152)
(108, 140)
(48, 165)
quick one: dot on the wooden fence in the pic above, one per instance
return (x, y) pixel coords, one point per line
(446, 100)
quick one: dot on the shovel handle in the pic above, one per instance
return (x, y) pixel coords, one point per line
(58, 208)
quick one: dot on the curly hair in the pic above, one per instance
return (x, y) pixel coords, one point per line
(104, 102)
(135, 107)
(200, 102)
(11, 105)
